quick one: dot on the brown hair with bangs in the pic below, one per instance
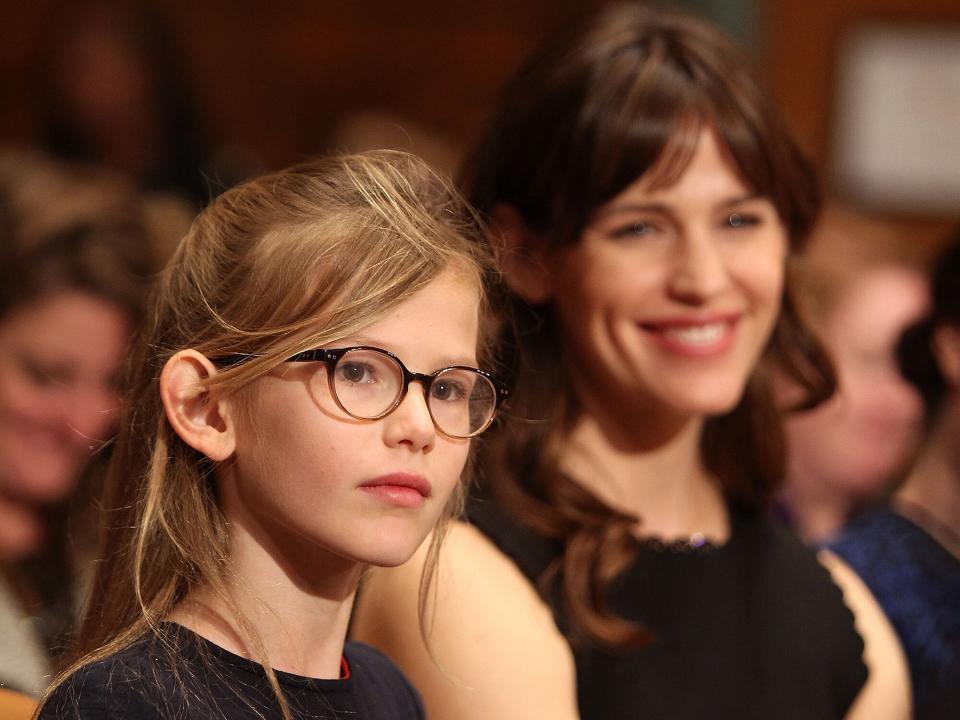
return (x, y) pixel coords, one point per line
(621, 96)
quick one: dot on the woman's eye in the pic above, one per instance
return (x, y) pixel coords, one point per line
(355, 372)
(637, 228)
(741, 220)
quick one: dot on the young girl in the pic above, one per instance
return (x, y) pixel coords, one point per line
(620, 563)
(299, 406)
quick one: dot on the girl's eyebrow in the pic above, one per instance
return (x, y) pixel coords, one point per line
(445, 360)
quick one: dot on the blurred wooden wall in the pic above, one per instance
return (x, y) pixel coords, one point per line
(278, 77)
(801, 46)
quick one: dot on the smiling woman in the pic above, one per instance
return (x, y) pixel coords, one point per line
(672, 292)
(251, 482)
(619, 562)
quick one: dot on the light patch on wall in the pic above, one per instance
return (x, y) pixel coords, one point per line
(897, 121)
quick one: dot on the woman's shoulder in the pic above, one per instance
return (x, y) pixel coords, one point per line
(472, 572)
(789, 567)
(482, 611)
(887, 691)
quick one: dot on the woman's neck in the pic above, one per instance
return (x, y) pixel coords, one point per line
(299, 610)
(664, 482)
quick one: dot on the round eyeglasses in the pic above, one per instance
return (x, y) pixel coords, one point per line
(368, 383)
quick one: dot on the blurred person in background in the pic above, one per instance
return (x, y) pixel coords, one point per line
(111, 91)
(75, 254)
(908, 553)
(850, 451)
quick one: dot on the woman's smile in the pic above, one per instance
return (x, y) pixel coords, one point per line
(694, 337)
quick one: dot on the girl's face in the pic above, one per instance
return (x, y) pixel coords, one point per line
(669, 297)
(59, 361)
(365, 491)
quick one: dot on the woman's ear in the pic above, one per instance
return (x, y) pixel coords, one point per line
(946, 350)
(523, 254)
(200, 420)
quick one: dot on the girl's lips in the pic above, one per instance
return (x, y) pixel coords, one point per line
(697, 338)
(400, 489)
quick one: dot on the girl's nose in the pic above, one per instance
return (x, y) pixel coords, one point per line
(410, 423)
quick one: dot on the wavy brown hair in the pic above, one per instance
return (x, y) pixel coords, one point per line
(621, 96)
(287, 262)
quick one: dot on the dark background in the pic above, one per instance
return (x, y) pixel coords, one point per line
(275, 81)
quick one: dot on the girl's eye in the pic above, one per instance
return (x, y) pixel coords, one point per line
(354, 372)
(448, 390)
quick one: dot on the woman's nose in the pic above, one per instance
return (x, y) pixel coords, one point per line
(699, 271)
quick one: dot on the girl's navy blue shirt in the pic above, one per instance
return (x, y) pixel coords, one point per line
(194, 678)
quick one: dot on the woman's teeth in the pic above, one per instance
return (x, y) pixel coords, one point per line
(696, 334)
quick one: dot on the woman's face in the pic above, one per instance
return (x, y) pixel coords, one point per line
(669, 297)
(306, 475)
(60, 358)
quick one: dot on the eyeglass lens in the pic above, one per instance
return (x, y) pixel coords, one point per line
(368, 384)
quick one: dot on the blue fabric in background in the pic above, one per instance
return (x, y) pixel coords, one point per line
(917, 583)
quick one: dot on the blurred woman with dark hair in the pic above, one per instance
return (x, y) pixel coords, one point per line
(908, 553)
(648, 202)
(75, 256)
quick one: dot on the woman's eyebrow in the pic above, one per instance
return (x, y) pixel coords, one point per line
(665, 209)
(746, 197)
(633, 207)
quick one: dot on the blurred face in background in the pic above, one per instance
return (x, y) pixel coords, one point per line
(865, 434)
(60, 358)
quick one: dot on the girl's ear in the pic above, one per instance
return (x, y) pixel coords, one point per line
(946, 349)
(523, 254)
(201, 421)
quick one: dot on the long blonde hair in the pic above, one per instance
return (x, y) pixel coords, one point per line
(277, 265)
